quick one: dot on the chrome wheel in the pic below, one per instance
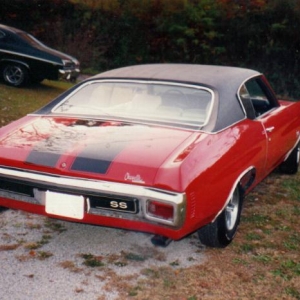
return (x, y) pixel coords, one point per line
(14, 74)
(232, 210)
(221, 232)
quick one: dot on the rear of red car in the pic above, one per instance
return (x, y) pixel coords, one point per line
(94, 172)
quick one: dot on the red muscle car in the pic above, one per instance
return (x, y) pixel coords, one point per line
(167, 149)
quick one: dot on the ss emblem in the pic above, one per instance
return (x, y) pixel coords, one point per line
(116, 204)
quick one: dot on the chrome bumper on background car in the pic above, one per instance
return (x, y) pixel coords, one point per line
(68, 74)
(70, 71)
(72, 197)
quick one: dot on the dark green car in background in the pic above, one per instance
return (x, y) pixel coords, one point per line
(24, 59)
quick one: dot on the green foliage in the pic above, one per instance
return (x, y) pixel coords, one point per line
(92, 261)
(105, 34)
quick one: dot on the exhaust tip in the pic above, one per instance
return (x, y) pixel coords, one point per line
(161, 241)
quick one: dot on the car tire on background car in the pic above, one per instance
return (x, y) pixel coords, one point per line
(15, 74)
(291, 164)
(221, 232)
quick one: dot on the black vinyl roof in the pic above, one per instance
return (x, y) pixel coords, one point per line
(214, 76)
(224, 81)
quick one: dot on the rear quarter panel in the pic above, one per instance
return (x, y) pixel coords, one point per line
(211, 170)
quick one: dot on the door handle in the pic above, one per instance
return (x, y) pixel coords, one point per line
(270, 129)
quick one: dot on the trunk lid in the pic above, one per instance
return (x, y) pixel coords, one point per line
(106, 150)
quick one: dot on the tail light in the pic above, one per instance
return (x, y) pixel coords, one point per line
(160, 210)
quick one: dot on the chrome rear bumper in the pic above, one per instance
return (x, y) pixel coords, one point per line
(40, 182)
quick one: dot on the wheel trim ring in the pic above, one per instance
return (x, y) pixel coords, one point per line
(231, 211)
(14, 75)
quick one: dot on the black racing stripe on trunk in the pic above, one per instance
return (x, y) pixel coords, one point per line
(97, 157)
(91, 165)
(46, 159)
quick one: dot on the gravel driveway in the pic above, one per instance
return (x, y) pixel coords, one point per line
(42, 258)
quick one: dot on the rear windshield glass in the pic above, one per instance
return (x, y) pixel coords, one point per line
(150, 101)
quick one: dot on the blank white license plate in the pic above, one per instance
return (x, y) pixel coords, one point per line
(64, 205)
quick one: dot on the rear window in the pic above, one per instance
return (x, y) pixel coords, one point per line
(146, 101)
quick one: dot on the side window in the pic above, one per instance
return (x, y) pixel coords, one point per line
(255, 98)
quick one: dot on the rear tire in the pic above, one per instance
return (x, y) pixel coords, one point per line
(15, 74)
(221, 232)
(291, 164)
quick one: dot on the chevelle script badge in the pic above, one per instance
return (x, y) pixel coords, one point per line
(133, 178)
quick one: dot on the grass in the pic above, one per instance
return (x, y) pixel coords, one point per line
(17, 102)
(32, 254)
(92, 261)
(54, 225)
(36, 245)
(263, 262)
